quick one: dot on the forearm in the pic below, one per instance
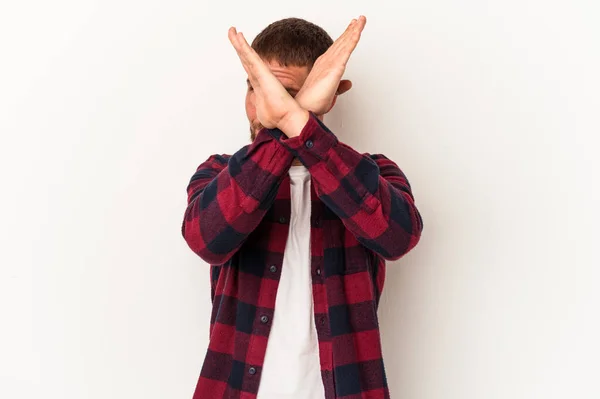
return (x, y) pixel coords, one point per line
(369, 193)
(228, 197)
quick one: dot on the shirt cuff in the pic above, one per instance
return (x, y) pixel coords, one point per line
(312, 144)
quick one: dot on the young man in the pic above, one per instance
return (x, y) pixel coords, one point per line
(296, 227)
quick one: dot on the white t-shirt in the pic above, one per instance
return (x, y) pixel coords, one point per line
(291, 368)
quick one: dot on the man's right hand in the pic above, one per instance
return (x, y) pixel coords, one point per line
(275, 107)
(323, 82)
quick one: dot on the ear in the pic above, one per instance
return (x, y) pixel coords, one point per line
(344, 86)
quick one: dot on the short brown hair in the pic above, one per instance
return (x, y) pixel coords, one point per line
(292, 42)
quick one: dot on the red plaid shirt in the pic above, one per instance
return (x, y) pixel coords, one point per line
(362, 213)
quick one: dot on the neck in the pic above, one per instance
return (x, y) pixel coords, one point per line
(296, 162)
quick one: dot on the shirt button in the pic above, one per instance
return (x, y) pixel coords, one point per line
(317, 223)
(252, 370)
(322, 321)
(282, 219)
(308, 144)
(264, 319)
(273, 268)
(318, 272)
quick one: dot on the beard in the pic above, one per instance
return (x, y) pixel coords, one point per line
(254, 129)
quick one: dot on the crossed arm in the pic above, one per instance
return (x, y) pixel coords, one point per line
(229, 196)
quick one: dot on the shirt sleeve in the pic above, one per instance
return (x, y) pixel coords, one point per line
(228, 196)
(368, 192)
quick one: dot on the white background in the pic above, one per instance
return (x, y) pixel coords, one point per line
(489, 107)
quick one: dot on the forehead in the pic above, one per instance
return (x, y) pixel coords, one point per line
(289, 76)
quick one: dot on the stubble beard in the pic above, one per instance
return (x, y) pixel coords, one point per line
(254, 131)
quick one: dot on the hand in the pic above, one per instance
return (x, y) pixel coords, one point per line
(323, 82)
(275, 107)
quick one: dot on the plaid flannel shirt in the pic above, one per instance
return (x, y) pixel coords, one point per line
(237, 220)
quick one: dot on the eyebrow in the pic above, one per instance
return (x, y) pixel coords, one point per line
(289, 90)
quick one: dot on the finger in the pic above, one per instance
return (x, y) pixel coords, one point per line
(257, 67)
(362, 21)
(232, 35)
(346, 43)
(252, 66)
(351, 41)
(338, 42)
(354, 34)
(249, 54)
(242, 48)
(354, 26)
(343, 36)
(347, 31)
(234, 38)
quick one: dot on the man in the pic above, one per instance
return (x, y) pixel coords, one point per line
(296, 227)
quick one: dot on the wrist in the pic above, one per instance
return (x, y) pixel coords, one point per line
(293, 123)
(317, 109)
